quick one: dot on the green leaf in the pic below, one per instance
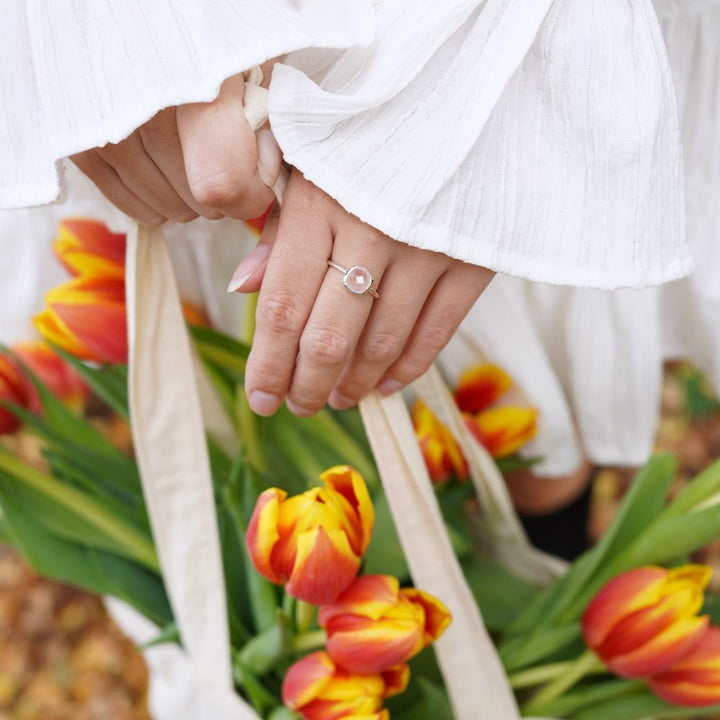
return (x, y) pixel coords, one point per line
(702, 487)
(108, 382)
(220, 350)
(385, 555)
(638, 706)
(94, 570)
(520, 652)
(500, 595)
(712, 607)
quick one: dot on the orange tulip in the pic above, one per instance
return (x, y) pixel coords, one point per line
(86, 247)
(442, 454)
(258, 224)
(313, 542)
(86, 317)
(694, 681)
(317, 689)
(503, 430)
(645, 620)
(480, 387)
(53, 372)
(374, 625)
(13, 388)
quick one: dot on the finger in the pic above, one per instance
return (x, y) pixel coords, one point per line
(112, 187)
(249, 274)
(390, 325)
(221, 156)
(161, 141)
(450, 301)
(295, 272)
(336, 321)
(140, 174)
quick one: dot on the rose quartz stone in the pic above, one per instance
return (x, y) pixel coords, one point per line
(358, 280)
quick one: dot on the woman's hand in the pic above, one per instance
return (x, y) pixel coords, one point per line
(314, 339)
(190, 160)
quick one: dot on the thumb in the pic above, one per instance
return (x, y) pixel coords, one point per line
(248, 275)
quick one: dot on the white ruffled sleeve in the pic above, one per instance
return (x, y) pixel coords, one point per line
(535, 137)
(76, 74)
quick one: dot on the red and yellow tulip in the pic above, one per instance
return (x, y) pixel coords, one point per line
(645, 620)
(480, 387)
(317, 689)
(53, 372)
(443, 456)
(374, 625)
(313, 542)
(86, 247)
(86, 317)
(13, 388)
(694, 681)
(503, 430)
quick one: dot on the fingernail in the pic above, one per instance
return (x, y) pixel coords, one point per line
(297, 410)
(269, 157)
(388, 387)
(263, 403)
(248, 266)
(340, 402)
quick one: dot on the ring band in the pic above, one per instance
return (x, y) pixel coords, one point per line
(357, 279)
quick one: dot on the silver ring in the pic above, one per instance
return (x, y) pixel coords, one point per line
(357, 279)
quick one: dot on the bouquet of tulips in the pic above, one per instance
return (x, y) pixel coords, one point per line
(324, 621)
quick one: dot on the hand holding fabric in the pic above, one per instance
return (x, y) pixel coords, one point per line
(315, 341)
(190, 160)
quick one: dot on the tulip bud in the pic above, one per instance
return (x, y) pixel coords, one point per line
(317, 689)
(694, 681)
(313, 542)
(86, 247)
(480, 387)
(503, 430)
(86, 317)
(54, 373)
(645, 620)
(374, 625)
(443, 456)
(13, 388)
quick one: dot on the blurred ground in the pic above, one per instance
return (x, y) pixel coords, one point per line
(62, 658)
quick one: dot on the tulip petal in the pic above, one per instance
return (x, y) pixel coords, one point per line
(306, 679)
(686, 694)
(396, 680)
(480, 387)
(100, 328)
(349, 483)
(360, 645)
(369, 595)
(81, 262)
(504, 430)
(437, 616)
(325, 565)
(662, 651)
(262, 533)
(49, 325)
(91, 236)
(624, 594)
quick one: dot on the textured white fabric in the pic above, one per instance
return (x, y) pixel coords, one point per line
(76, 74)
(567, 170)
(599, 354)
(535, 137)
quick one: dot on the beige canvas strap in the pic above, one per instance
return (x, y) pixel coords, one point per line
(169, 438)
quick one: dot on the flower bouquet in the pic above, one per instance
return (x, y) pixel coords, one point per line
(302, 584)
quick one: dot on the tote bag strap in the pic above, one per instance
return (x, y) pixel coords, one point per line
(169, 439)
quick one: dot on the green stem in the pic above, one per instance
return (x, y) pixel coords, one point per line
(305, 616)
(313, 640)
(297, 450)
(538, 675)
(249, 431)
(133, 542)
(577, 669)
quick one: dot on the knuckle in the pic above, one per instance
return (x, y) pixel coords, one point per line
(435, 337)
(218, 189)
(279, 314)
(381, 348)
(326, 345)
